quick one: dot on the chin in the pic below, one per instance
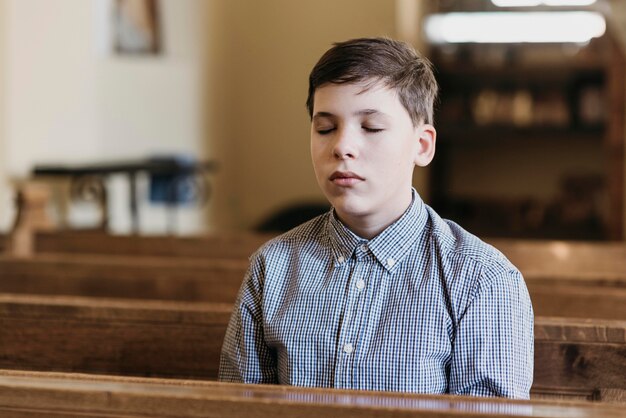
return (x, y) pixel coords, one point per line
(350, 201)
(349, 207)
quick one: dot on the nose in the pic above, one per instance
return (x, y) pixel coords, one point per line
(345, 146)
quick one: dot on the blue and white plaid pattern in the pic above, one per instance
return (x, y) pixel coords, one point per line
(423, 307)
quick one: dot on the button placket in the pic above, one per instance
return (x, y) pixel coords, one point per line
(348, 330)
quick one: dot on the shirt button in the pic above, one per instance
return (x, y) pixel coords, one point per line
(348, 348)
(340, 259)
(363, 247)
(360, 284)
(391, 262)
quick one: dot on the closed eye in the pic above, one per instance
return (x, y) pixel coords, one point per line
(372, 130)
(324, 131)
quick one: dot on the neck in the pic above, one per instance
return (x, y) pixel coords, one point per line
(370, 225)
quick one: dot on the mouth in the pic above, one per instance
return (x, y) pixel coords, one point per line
(345, 178)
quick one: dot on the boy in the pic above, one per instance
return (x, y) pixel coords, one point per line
(380, 293)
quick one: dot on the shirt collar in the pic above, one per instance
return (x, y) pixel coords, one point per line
(390, 246)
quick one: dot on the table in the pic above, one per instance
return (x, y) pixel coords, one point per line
(169, 174)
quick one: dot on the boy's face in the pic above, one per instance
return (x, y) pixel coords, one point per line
(364, 147)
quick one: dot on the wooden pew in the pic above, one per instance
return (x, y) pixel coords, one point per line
(124, 277)
(568, 262)
(28, 395)
(573, 279)
(187, 279)
(3, 243)
(580, 358)
(604, 261)
(577, 301)
(122, 337)
(551, 258)
(233, 245)
(573, 358)
(559, 274)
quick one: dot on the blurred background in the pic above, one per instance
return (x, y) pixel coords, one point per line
(531, 118)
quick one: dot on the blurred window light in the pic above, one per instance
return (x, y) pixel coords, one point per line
(515, 27)
(531, 3)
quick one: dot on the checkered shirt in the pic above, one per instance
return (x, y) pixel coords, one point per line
(423, 307)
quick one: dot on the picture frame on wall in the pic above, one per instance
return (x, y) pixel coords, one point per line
(136, 27)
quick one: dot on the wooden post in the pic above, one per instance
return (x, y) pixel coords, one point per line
(31, 201)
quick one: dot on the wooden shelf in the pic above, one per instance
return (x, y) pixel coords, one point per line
(469, 75)
(502, 134)
(556, 110)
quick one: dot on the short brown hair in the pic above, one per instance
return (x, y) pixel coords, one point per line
(394, 63)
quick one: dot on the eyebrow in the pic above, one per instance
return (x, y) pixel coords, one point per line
(369, 112)
(363, 112)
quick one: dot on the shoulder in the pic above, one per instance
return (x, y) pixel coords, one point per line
(454, 241)
(475, 272)
(467, 253)
(308, 238)
(289, 259)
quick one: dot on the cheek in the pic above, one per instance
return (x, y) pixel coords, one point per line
(316, 159)
(396, 165)
(315, 155)
(319, 150)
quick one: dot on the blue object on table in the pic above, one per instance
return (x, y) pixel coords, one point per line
(177, 187)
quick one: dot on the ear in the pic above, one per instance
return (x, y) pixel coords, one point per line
(426, 136)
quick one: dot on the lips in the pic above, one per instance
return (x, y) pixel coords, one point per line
(345, 178)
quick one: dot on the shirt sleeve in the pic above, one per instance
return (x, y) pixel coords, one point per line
(493, 352)
(245, 357)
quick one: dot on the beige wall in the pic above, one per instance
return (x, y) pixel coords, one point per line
(230, 85)
(153, 105)
(5, 196)
(267, 50)
(68, 98)
(50, 83)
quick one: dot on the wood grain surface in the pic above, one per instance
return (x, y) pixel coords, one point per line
(24, 394)
(573, 357)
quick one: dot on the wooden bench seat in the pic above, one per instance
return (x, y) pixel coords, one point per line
(573, 358)
(57, 395)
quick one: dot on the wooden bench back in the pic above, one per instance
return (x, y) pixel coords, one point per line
(124, 277)
(549, 258)
(601, 263)
(143, 338)
(54, 395)
(568, 262)
(188, 279)
(577, 301)
(573, 358)
(579, 356)
(235, 245)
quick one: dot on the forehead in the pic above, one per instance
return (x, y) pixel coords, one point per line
(344, 98)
